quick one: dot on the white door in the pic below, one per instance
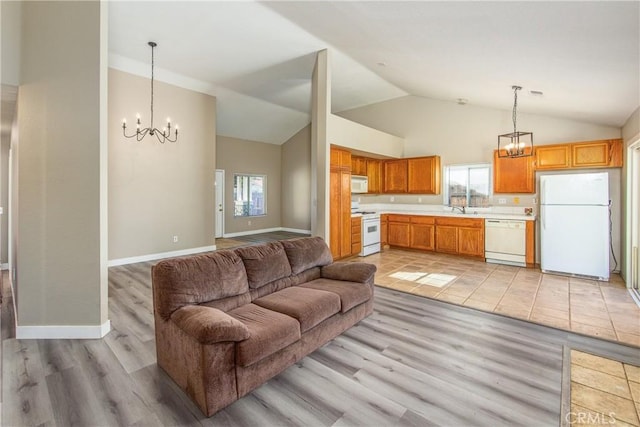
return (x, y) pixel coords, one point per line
(219, 189)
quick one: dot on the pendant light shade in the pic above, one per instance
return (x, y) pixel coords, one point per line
(515, 144)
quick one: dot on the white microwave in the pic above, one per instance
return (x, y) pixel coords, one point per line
(359, 184)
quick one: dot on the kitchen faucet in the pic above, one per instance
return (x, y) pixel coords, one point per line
(461, 208)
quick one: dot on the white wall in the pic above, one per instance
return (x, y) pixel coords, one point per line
(356, 137)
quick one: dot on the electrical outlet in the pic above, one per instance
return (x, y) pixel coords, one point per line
(535, 201)
(175, 239)
(391, 199)
(502, 201)
(419, 199)
(248, 222)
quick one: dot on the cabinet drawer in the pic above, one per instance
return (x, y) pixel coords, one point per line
(399, 218)
(421, 219)
(460, 222)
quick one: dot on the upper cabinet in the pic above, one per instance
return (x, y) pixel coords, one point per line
(374, 174)
(517, 175)
(605, 153)
(513, 175)
(358, 165)
(419, 175)
(395, 176)
(553, 157)
(423, 175)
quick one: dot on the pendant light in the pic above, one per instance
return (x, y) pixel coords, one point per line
(165, 134)
(515, 144)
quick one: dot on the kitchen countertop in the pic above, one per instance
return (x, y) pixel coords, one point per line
(483, 215)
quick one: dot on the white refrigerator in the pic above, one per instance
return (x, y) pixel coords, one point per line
(574, 224)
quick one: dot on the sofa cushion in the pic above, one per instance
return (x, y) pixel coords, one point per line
(350, 293)
(307, 252)
(264, 263)
(196, 279)
(269, 331)
(308, 306)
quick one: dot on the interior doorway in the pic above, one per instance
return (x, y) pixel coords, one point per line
(219, 197)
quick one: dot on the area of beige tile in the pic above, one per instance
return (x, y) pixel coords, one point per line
(601, 309)
(611, 367)
(583, 416)
(600, 381)
(606, 403)
(633, 372)
(635, 391)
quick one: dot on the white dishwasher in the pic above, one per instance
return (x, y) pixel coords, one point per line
(505, 241)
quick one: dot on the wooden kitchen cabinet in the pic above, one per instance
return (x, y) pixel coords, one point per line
(423, 175)
(340, 203)
(358, 165)
(553, 157)
(606, 153)
(384, 233)
(395, 176)
(398, 230)
(530, 244)
(422, 233)
(374, 174)
(513, 174)
(464, 236)
(356, 235)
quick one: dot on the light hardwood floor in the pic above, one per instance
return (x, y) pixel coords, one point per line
(415, 361)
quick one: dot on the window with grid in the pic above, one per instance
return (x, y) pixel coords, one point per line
(249, 195)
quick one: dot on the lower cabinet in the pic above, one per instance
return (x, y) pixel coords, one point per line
(356, 235)
(384, 230)
(398, 230)
(422, 233)
(463, 236)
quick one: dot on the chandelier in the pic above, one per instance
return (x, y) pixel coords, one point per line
(515, 144)
(165, 134)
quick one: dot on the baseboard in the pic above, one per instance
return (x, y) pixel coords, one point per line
(264, 230)
(153, 257)
(64, 332)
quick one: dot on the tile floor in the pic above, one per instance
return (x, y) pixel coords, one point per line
(602, 309)
(603, 391)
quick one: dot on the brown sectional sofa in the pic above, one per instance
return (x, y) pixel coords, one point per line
(228, 321)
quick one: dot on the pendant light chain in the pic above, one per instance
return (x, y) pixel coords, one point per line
(152, 67)
(515, 105)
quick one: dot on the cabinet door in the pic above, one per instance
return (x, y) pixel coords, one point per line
(471, 241)
(340, 158)
(345, 213)
(356, 235)
(553, 157)
(513, 175)
(335, 216)
(395, 176)
(423, 175)
(530, 239)
(398, 234)
(447, 238)
(358, 165)
(384, 230)
(606, 153)
(374, 174)
(423, 236)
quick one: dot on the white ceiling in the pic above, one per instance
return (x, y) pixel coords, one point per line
(257, 57)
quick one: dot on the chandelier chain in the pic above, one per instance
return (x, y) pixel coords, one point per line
(515, 106)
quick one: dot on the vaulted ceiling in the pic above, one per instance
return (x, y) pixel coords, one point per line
(257, 57)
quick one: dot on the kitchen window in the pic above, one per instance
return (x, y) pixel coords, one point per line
(249, 195)
(467, 185)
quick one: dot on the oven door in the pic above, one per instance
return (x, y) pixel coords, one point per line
(370, 231)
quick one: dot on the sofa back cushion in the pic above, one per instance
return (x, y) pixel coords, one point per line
(306, 253)
(196, 279)
(264, 263)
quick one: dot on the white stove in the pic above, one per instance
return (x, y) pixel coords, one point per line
(370, 230)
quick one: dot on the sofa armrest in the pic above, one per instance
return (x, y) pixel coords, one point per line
(209, 325)
(350, 271)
